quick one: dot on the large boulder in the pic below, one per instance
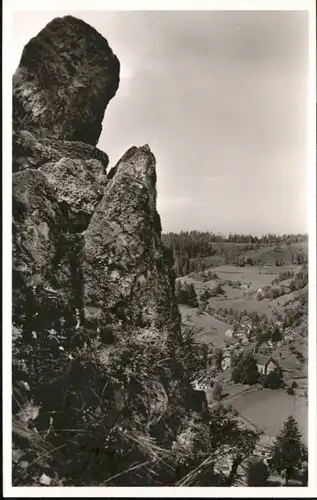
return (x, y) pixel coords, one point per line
(65, 80)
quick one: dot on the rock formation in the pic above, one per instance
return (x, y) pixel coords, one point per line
(125, 275)
(97, 346)
(88, 263)
(65, 80)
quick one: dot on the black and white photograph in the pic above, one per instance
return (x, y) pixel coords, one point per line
(160, 237)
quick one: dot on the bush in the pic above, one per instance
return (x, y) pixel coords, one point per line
(276, 334)
(274, 293)
(205, 295)
(185, 293)
(274, 380)
(257, 473)
(290, 391)
(217, 391)
(244, 369)
(304, 476)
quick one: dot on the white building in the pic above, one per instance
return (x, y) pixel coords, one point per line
(229, 333)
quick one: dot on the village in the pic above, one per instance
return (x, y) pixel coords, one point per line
(239, 323)
(241, 338)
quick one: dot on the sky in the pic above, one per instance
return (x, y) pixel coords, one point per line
(221, 97)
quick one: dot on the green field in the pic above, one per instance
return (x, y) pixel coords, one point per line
(269, 409)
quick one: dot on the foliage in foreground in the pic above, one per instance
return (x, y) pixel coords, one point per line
(89, 413)
(289, 454)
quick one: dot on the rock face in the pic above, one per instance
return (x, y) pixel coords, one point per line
(79, 186)
(29, 152)
(124, 271)
(99, 338)
(66, 78)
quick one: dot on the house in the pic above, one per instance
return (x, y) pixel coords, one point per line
(199, 384)
(226, 362)
(241, 333)
(289, 334)
(265, 364)
(246, 321)
(202, 383)
(229, 333)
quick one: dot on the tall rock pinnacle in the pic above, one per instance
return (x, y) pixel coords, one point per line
(124, 271)
(65, 80)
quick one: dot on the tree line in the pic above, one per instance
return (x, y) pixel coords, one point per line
(203, 238)
(190, 249)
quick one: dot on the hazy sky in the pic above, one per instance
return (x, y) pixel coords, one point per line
(221, 98)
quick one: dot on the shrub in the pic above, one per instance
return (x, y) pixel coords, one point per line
(290, 391)
(276, 334)
(257, 473)
(217, 391)
(185, 293)
(274, 379)
(205, 295)
(244, 369)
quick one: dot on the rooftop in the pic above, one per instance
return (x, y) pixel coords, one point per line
(262, 359)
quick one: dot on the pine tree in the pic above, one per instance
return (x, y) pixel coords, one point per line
(288, 452)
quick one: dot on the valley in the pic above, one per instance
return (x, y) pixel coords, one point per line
(239, 311)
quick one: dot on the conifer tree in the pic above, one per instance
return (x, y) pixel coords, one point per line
(288, 452)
